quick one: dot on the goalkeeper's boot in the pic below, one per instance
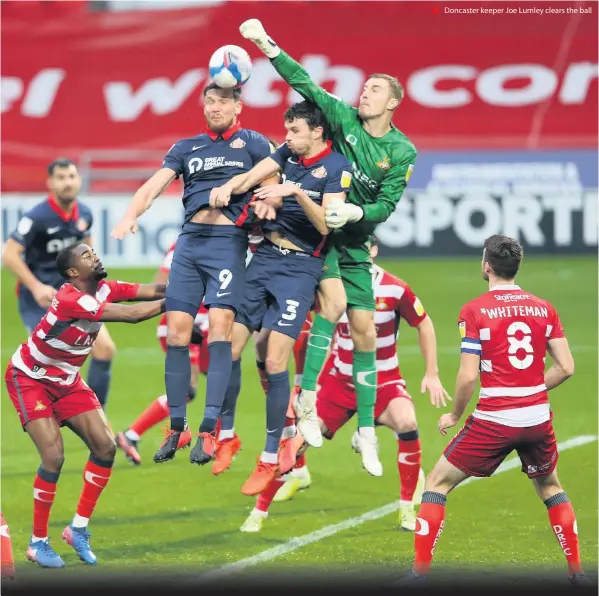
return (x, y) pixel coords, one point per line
(204, 451)
(173, 441)
(365, 443)
(254, 521)
(307, 418)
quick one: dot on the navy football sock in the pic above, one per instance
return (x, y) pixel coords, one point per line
(219, 373)
(277, 401)
(227, 416)
(177, 376)
(98, 379)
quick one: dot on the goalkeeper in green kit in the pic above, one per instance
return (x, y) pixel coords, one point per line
(382, 160)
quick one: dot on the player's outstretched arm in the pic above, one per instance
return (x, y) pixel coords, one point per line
(135, 313)
(142, 201)
(242, 183)
(563, 362)
(428, 348)
(296, 75)
(146, 292)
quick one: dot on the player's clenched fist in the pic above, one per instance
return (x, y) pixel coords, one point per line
(126, 226)
(254, 31)
(220, 196)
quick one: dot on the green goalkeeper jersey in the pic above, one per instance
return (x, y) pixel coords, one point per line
(381, 165)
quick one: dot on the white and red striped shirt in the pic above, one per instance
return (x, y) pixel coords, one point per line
(394, 301)
(60, 343)
(509, 329)
(201, 318)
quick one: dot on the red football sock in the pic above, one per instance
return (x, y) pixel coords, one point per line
(408, 462)
(429, 525)
(268, 494)
(7, 561)
(563, 523)
(44, 491)
(95, 479)
(300, 462)
(299, 350)
(155, 413)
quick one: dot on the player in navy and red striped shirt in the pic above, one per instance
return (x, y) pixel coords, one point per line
(45, 386)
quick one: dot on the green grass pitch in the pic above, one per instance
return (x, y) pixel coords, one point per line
(180, 517)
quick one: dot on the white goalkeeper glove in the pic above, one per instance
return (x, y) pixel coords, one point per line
(338, 213)
(254, 31)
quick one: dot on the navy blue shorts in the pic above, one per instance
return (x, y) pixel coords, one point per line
(279, 290)
(31, 312)
(208, 263)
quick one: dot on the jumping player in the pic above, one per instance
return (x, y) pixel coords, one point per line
(336, 402)
(505, 334)
(209, 260)
(158, 410)
(382, 160)
(47, 391)
(30, 253)
(283, 276)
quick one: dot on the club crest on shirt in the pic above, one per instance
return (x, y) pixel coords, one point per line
(237, 144)
(82, 225)
(381, 304)
(384, 164)
(320, 172)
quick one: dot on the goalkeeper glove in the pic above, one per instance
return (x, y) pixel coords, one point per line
(254, 31)
(338, 213)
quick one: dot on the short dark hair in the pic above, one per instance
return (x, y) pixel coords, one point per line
(311, 113)
(61, 162)
(374, 241)
(235, 91)
(504, 254)
(64, 260)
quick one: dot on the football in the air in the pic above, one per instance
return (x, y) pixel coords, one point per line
(230, 66)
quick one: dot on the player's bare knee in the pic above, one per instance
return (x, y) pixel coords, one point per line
(365, 339)
(276, 363)
(104, 449)
(53, 459)
(220, 322)
(178, 336)
(104, 349)
(332, 307)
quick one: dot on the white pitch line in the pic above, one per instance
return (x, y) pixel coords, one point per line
(352, 522)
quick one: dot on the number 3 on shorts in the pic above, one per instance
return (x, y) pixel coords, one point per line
(291, 310)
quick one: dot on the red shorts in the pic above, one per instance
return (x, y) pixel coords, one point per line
(480, 447)
(36, 398)
(336, 400)
(198, 357)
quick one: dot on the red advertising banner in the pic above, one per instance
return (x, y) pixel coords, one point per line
(477, 75)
